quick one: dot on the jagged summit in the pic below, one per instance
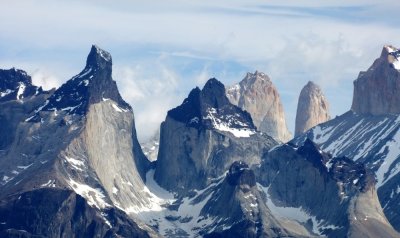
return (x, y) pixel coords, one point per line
(94, 84)
(257, 95)
(209, 108)
(376, 90)
(98, 58)
(16, 84)
(312, 108)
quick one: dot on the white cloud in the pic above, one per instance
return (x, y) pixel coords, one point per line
(45, 79)
(151, 89)
(325, 41)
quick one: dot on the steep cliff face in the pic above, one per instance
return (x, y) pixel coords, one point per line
(277, 198)
(376, 90)
(370, 132)
(257, 95)
(201, 138)
(82, 139)
(312, 108)
(345, 189)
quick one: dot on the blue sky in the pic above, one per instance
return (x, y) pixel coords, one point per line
(162, 49)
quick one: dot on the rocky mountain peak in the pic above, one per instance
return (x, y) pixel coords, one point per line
(16, 84)
(257, 95)
(210, 108)
(98, 58)
(376, 90)
(94, 84)
(240, 174)
(312, 108)
(257, 76)
(213, 93)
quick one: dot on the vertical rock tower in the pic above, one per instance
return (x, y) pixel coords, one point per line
(257, 95)
(376, 90)
(312, 108)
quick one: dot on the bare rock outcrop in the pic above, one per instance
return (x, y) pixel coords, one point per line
(376, 90)
(257, 95)
(312, 108)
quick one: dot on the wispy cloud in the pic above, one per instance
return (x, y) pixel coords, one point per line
(162, 49)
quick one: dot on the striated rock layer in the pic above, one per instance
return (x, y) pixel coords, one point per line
(257, 95)
(312, 108)
(376, 90)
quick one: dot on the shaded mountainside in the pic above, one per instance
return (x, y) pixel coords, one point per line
(53, 212)
(370, 132)
(82, 138)
(201, 138)
(16, 84)
(331, 196)
(312, 108)
(257, 95)
(372, 140)
(276, 198)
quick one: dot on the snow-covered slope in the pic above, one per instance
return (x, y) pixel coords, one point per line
(372, 140)
(369, 133)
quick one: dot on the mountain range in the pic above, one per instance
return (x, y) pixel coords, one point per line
(71, 164)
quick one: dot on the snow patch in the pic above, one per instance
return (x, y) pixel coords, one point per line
(103, 54)
(393, 152)
(71, 108)
(93, 196)
(24, 167)
(5, 93)
(21, 90)
(50, 183)
(77, 164)
(186, 219)
(118, 109)
(226, 126)
(296, 214)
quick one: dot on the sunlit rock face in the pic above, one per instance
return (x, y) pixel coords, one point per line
(77, 147)
(257, 95)
(376, 91)
(312, 108)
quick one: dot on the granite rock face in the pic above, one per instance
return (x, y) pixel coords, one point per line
(257, 95)
(376, 90)
(202, 137)
(79, 140)
(312, 108)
